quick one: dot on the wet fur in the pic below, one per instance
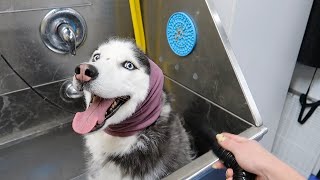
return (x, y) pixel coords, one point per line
(152, 154)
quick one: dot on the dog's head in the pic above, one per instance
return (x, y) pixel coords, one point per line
(115, 80)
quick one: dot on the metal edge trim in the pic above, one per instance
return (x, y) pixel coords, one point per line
(35, 86)
(243, 84)
(33, 132)
(208, 100)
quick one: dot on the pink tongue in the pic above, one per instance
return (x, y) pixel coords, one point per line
(84, 122)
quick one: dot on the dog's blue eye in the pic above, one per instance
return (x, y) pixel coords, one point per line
(129, 65)
(96, 57)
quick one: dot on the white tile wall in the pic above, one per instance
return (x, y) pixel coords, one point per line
(296, 144)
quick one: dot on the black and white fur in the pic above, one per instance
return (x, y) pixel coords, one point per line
(151, 154)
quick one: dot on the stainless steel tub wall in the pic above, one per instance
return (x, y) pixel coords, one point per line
(216, 96)
(219, 78)
(21, 45)
(219, 95)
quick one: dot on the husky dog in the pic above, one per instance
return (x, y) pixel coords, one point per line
(128, 127)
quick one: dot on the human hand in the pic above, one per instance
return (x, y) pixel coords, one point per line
(248, 153)
(255, 159)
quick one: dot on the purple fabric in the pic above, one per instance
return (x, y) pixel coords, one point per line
(147, 112)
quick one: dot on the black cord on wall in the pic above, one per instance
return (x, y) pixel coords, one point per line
(34, 90)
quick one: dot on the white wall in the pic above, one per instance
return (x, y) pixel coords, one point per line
(301, 79)
(266, 36)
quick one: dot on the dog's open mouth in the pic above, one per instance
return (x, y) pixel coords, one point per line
(98, 112)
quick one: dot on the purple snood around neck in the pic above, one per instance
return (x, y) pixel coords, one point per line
(147, 112)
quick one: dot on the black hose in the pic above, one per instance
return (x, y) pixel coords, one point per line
(34, 90)
(224, 155)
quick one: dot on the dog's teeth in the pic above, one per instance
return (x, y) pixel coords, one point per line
(114, 104)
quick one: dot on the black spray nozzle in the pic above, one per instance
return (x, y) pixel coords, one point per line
(224, 155)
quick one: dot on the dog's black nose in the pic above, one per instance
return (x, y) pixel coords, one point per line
(91, 71)
(77, 69)
(86, 72)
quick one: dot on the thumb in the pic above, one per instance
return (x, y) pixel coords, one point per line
(227, 143)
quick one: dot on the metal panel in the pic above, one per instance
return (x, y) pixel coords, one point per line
(23, 111)
(22, 46)
(57, 155)
(210, 70)
(195, 108)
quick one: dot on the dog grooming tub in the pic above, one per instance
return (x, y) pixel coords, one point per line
(184, 37)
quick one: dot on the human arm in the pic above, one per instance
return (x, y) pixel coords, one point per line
(255, 159)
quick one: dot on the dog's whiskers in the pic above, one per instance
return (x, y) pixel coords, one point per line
(123, 98)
